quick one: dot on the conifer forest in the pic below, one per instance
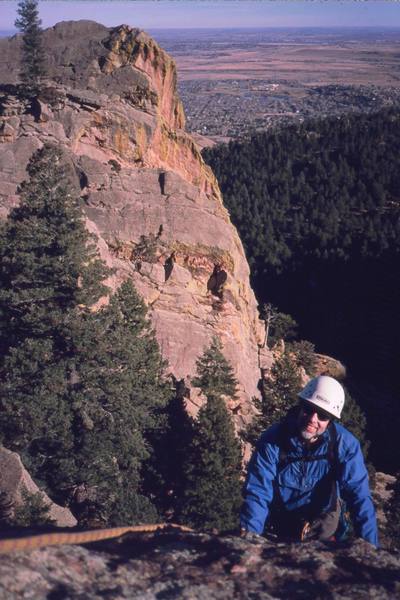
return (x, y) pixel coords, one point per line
(317, 206)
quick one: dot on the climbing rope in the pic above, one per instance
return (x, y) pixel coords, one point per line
(79, 537)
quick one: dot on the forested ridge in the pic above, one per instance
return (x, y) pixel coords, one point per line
(317, 206)
(326, 189)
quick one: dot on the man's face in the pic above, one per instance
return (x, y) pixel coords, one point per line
(312, 421)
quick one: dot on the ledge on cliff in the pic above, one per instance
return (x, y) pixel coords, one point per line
(199, 566)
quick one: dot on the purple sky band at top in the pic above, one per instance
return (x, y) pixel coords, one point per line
(165, 14)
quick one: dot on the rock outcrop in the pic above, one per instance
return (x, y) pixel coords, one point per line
(199, 566)
(16, 483)
(382, 494)
(110, 101)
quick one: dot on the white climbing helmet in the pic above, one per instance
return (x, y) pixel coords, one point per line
(326, 393)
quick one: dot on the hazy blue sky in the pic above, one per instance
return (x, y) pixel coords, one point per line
(152, 14)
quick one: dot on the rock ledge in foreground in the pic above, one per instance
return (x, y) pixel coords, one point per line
(199, 566)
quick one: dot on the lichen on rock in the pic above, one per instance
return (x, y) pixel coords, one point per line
(199, 566)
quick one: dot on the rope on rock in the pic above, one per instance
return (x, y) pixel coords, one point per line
(33, 542)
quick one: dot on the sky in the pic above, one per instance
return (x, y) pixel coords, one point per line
(154, 14)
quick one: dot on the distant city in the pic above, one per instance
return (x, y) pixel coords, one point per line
(234, 82)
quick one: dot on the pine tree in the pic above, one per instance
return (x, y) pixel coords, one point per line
(33, 56)
(279, 394)
(118, 394)
(303, 354)
(278, 325)
(81, 387)
(47, 273)
(163, 472)
(215, 376)
(212, 497)
(353, 418)
(212, 470)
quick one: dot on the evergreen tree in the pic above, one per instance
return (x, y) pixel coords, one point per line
(33, 56)
(215, 376)
(278, 395)
(33, 512)
(47, 273)
(303, 354)
(81, 387)
(212, 471)
(163, 472)
(278, 325)
(117, 398)
(353, 418)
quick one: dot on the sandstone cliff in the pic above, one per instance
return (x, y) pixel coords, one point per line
(111, 102)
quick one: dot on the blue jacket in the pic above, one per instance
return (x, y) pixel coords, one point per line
(301, 484)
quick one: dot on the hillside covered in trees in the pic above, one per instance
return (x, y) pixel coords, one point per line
(317, 206)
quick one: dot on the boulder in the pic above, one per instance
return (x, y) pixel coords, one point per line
(15, 481)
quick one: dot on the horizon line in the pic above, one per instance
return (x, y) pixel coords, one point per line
(276, 27)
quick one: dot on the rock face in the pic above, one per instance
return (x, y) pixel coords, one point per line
(199, 566)
(110, 101)
(382, 494)
(15, 481)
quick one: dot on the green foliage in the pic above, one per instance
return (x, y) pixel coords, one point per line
(81, 387)
(278, 395)
(303, 353)
(215, 375)
(312, 189)
(47, 271)
(283, 327)
(32, 512)
(33, 55)
(146, 249)
(6, 509)
(212, 469)
(163, 472)
(48, 262)
(353, 418)
(212, 496)
(117, 397)
(279, 326)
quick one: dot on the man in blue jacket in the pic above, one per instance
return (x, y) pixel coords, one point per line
(304, 467)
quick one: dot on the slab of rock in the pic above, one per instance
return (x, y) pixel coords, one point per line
(381, 494)
(15, 481)
(199, 566)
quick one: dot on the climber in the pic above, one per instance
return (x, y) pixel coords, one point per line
(305, 470)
